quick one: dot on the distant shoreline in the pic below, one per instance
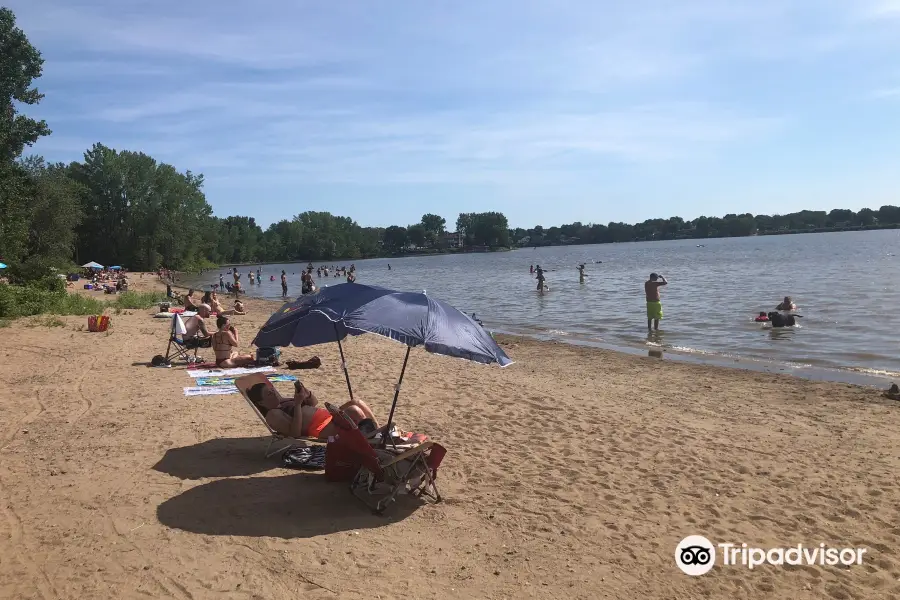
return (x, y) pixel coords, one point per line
(574, 243)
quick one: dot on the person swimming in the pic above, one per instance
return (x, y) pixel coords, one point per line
(762, 317)
(786, 304)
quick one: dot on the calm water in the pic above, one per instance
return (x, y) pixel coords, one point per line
(845, 285)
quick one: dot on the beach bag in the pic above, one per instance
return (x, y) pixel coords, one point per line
(97, 323)
(309, 458)
(268, 357)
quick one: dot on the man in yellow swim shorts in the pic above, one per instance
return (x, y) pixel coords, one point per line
(654, 306)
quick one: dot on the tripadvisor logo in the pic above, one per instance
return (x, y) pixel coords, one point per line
(696, 555)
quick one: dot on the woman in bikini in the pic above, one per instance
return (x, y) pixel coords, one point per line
(300, 416)
(215, 305)
(225, 345)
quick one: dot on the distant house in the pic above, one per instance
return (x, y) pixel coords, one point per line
(453, 239)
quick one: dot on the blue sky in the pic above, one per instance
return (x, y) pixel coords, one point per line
(550, 111)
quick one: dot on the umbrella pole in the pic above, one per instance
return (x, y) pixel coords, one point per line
(343, 362)
(387, 429)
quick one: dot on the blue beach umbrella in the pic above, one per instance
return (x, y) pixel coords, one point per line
(2, 265)
(414, 319)
(116, 268)
(92, 265)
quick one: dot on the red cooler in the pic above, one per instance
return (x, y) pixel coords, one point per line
(341, 463)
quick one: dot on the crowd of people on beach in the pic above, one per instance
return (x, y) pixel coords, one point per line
(225, 339)
(110, 281)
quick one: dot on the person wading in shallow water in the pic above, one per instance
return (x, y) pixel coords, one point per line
(654, 306)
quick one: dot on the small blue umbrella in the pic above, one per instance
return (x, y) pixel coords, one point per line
(414, 319)
(2, 265)
(116, 268)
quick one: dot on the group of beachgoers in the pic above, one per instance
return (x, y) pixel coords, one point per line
(538, 273)
(110, 281)
(307, 283)
(225, 341)
(782, 316)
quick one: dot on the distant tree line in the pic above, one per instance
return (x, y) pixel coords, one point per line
(732, 225)
(126, 208)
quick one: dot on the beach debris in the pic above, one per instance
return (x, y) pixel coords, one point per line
(893, 392)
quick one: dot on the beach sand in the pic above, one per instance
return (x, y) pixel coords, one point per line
(573, 473)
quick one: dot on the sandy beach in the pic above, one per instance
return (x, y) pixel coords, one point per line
(573, 473)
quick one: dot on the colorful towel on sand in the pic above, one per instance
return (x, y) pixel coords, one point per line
(210, 390)
(223, 381)
(228, 372)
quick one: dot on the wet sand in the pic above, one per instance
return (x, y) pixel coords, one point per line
(572, 473)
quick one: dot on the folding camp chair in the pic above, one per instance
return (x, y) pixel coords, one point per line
(179, 347)
(246, 382)
(385, 473)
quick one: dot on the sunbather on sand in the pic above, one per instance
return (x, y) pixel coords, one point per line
(225, 344)
(300, 416)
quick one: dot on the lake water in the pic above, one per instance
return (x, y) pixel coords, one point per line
(845, 285)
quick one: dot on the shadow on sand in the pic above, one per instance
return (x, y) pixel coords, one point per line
(301, 505)
(224, 457)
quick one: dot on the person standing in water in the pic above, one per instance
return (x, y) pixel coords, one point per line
(258, 277)
(531, 270)
(283, 285)
(581, 273)
(654, 306)
(540, 278)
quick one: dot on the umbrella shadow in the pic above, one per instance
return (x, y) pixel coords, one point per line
(302, 505)
(222, 457)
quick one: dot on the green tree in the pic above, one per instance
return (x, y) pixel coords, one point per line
(395, 239)
(866, 216)
(55, 210)
(20, 65)
(889, 215)
(417, 234)
(486, 229)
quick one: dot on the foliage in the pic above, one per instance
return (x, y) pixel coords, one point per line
(417, 234)
(484, 229)
(731, 225)
(139, 213)
(20, 65)
(395, 238)
(22, 301)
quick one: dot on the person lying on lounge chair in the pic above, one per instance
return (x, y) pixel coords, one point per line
(301, 415)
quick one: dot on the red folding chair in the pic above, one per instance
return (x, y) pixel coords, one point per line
(385, 473)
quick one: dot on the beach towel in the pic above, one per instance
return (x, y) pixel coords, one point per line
(228, 372)
(309, 458)
(210, 390)
(206, 365)
(223, 381)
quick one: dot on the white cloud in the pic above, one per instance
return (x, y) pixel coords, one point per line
(406, 90)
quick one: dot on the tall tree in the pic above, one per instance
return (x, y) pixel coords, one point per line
(434, 224)
(20, 65)
(417, 234)
(395, 238)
